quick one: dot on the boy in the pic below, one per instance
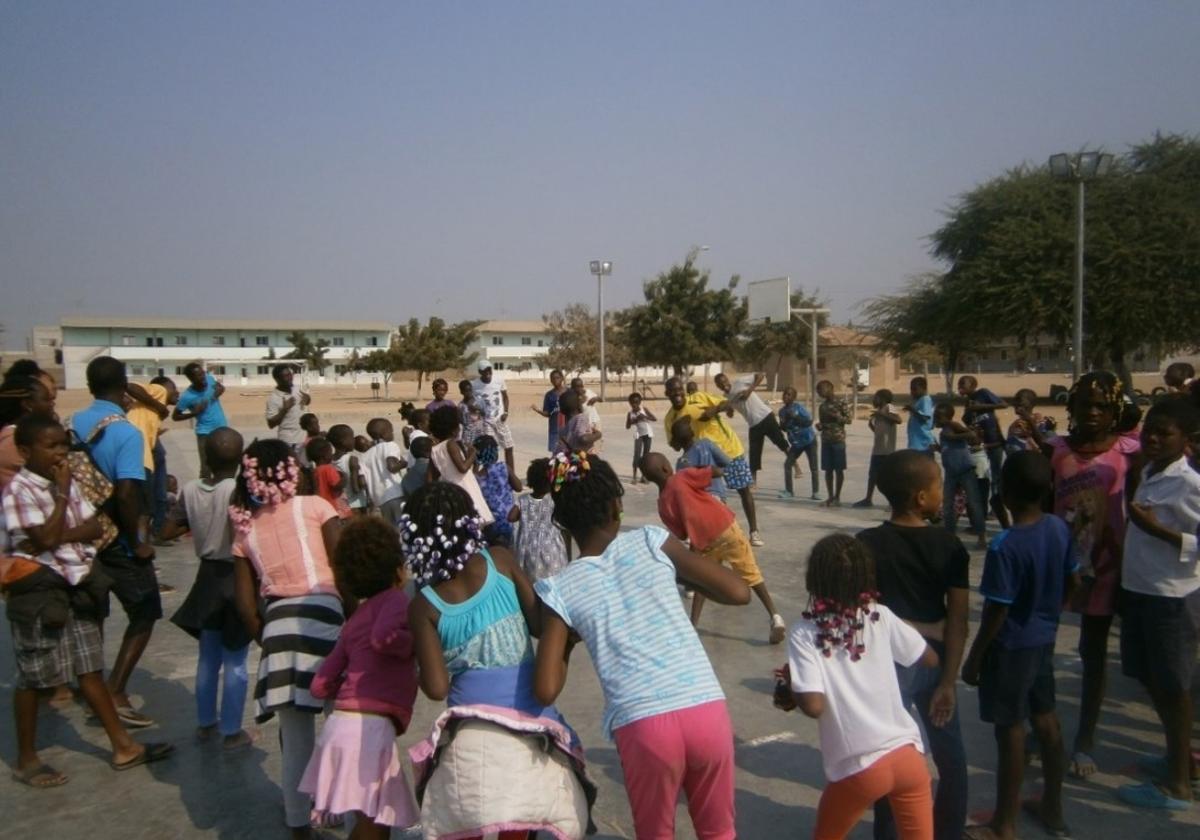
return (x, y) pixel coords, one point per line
(55, 612)
(1160, 578)
(209, 614)
(980, 415)
(833, 415)
(417, 473)
(1029, 571)
(882, 422)
(381, 466)
(959, 472)
(345, 458)
(920, 417)
(691, 513)
(797, 424)
(698, 454)
(921, 573)
(328, 481)
(1178, 377)
(440, 388)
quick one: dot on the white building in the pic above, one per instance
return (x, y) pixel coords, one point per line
(516, 347)
(241, 350)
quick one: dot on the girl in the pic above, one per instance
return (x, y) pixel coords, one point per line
(471, 622)
(663, 704)
(453, 461)
(958, 471)
(1020, 438)
(797, 424)
(639, 419)
(550, 408)
(373, 676)
(841, 670)
(577, 434)
(1090, 466)
(539, 544)
(497, 483)
(281, 552)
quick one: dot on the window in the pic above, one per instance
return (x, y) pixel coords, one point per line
(135, 370)
(499, 365)
(150, 341)
(820, 363)
(181, 341)
(179, 370)
(540, 344)
(242, 341)
(526, 341)
(263, 370)
(497, 340)
(339, 341)
(261, 340)
(373, 341)
(218, 341)
(158, 342)
(127, 340)
(217, 370)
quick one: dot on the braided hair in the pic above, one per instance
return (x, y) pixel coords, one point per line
(584, 488)
(269, 476)
(440, 531)
(841, 593)
(14, 394)
(1110, 391)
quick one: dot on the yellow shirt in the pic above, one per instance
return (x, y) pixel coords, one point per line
(147, 422)
(718, 429)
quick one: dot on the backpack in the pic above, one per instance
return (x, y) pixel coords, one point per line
(93, 484)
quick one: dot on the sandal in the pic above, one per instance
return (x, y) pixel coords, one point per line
(1151, 796)
(150, 753)
(40, 776)
(1033, 807)
(1082, 765)
(132, 718)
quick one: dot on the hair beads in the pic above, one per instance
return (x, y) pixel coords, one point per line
(841, 626)
(440, 553)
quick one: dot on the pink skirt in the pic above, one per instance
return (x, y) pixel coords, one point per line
(356, 767)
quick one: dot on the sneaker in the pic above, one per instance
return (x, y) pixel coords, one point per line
(756, 539)
(778, 629)
(783, 494)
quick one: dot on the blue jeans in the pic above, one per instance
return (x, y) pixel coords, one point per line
(917, 685)
(958, 470)
(215, 657)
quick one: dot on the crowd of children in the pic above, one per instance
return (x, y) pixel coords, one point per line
(311, 557)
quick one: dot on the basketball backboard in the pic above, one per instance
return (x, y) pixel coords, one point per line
(769, 301)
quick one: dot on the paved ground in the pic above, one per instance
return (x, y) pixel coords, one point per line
(202, 793)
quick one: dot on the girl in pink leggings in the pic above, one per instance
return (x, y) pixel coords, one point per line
(662, 702)
(841, 670)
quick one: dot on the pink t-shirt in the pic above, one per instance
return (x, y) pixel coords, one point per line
(286, 547)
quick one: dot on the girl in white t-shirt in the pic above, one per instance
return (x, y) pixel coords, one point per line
(841, 670)
(639, 419)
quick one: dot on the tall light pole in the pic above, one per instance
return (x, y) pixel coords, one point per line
(601, 268)
(1079, 169)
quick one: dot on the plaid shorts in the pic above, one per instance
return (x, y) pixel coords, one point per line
(504, 436)
(737, 474)
(50, 657)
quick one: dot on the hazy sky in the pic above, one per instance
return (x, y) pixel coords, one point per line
(389, 160)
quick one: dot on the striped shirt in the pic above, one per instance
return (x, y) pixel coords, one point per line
(28, 503)
(625, 606)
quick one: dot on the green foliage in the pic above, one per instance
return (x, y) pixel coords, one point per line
(432, 347)
(313, 353)
(575, 341)
(764, 346)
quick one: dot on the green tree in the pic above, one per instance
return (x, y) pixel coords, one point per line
(382, 362)
(765, 346)
(681, 321)
(433, 347)
(311, 352)
(574, 338)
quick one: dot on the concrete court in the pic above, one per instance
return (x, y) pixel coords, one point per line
(202, 793)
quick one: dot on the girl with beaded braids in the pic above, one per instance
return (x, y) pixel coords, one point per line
(282, 545)
(1091, 464)
(662, 703)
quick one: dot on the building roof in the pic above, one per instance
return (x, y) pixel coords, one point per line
(835, 336)
(155, 323)
(513, 327)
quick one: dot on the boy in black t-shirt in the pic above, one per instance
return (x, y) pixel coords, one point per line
(921, 573)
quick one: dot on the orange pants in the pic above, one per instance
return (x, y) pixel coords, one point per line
(901, 776)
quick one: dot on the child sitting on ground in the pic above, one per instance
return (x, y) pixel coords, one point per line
(381, 467)
(577, 433)
(698, 454)
(841, 671)
(1029, 571)
(497, 483)
(797, 424)
(371, 676)
(691, 513)
(883, 423)
(958, 473)
(328, 482)
(417, 473)
(345, 458)
(453, 461)
(542, 548)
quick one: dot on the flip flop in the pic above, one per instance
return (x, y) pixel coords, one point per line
(132, 718)
(1149, 796)
(41, 776)
(150, 753)
(1083, 766)
(1033, 808)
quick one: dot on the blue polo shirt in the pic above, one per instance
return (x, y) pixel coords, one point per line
(213, 416)
(920, 432)
(119, 451)
(1026, 569)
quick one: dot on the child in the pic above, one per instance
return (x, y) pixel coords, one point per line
(578, 434)
(327, 479)
(833, 416)
(639, 419)
(362, 443)
(699, 454)
(1178, 377)
(54, 612)
(453, 461)
(587, 402)
(417, 473)
(662, 703)
(882, 422)
(1020, 435)
(692, 514)
(921, 573)
(281, 548)
(797, 424)
(550, 409)
(420, 426)
(310, 424)
(172, 491)
(841, 670)
(477, 425)
(920, 417)
(381, 468)
(440, 388)
(958, 472)
(497, 484)
(979, 414)
(1159, 580)
(541, 547)
(1029, 570)
(371, 676)
(345, 458)
(209, 614)
(467, 391)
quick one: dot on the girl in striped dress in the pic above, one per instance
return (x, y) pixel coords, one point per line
(282, 547)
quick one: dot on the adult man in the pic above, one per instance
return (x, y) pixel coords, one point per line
(756, 413)
(201, 401)
(704, 411)
(492, 397)
(285, 406)
(119, 452)
(980, 414)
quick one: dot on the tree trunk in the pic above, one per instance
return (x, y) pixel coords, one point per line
(420, 379)
(1116, 354)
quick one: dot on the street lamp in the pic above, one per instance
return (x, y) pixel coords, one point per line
(601, 268)
(1080, 169)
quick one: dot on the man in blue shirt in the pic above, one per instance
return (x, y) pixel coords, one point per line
(201, 401)
(920, 416)
(116, 447)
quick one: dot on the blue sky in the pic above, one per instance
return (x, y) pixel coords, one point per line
(390, 160)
